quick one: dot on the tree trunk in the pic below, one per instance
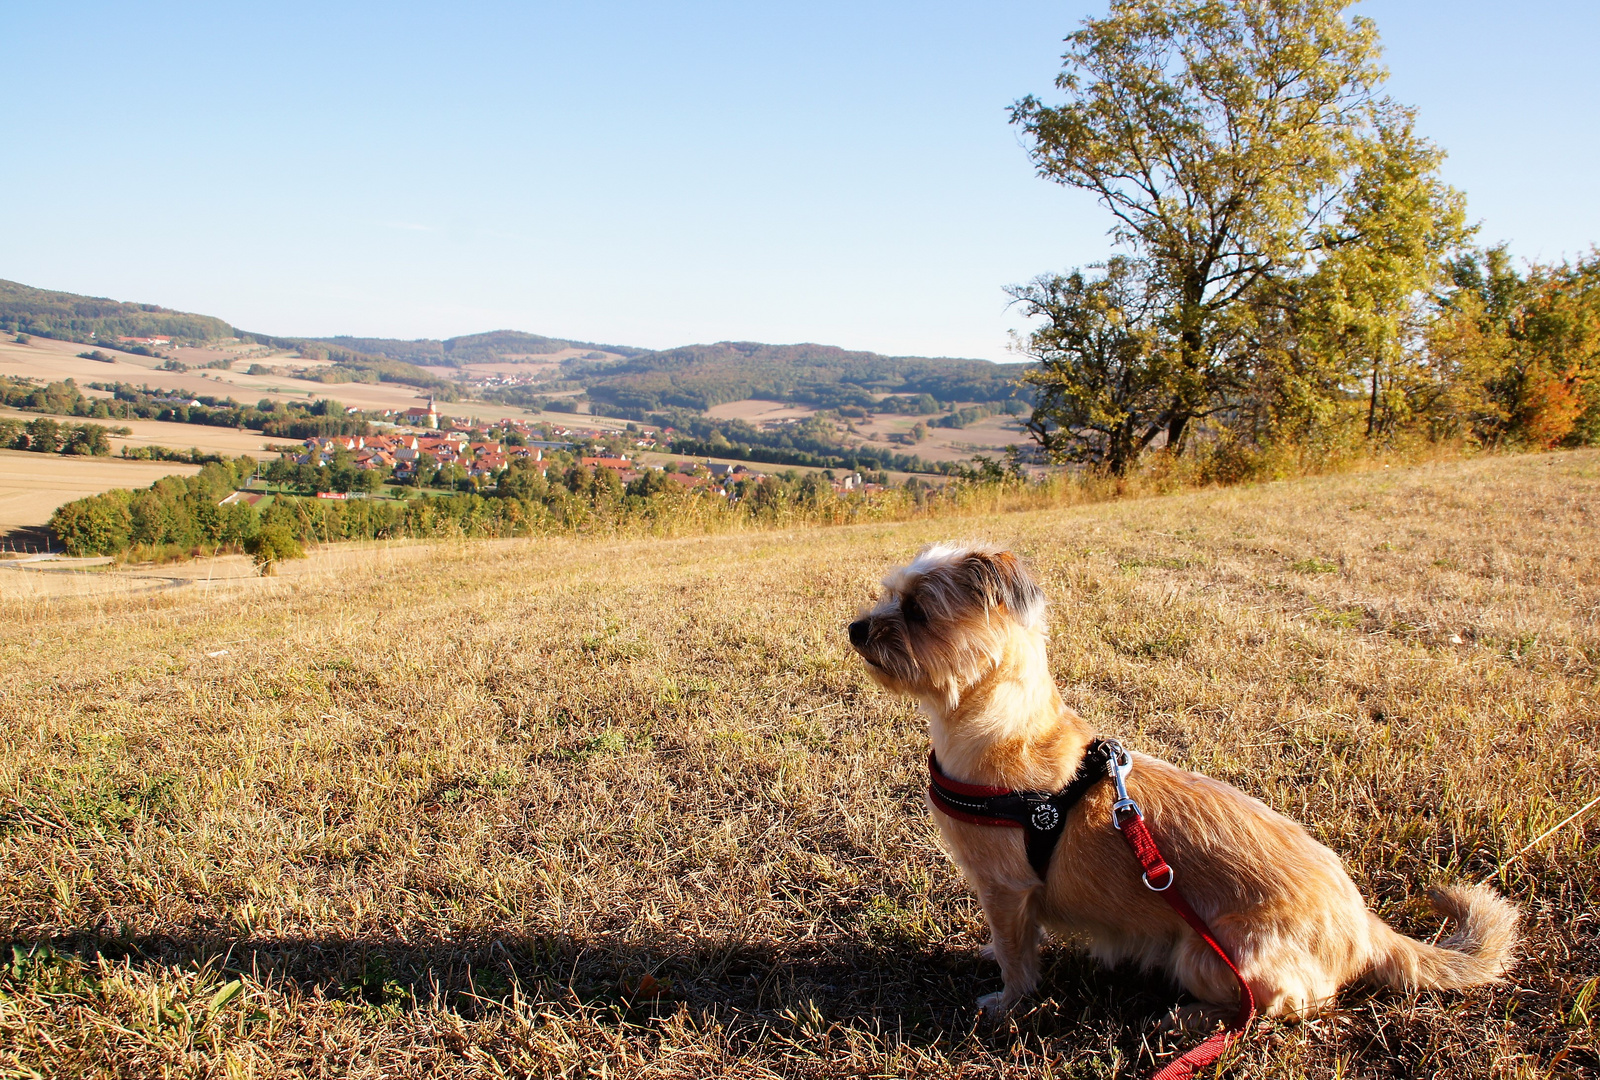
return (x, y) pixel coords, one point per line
(1175, 430)
(1121, 450)
(1372, 404)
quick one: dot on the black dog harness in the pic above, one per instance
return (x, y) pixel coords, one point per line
(1043, 815)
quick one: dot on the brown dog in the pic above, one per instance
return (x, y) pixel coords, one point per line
(962, 630)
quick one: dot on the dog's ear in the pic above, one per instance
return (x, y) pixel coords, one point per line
(1001, 579)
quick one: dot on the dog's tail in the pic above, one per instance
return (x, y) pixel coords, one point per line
(1478, 952)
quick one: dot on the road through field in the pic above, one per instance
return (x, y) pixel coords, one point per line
(592, 805)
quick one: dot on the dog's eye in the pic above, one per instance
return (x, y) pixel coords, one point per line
(911, 611)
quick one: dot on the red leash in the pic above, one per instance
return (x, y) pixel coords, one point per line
(1137, 834)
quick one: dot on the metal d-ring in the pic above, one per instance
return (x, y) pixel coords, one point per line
(1172, 875)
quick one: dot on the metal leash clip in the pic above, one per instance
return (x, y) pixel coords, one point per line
(1119, 763)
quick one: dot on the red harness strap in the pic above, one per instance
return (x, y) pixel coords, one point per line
(1137, 833)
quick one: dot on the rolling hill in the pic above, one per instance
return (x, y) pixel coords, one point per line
(473, 348)
(700, 377)
(45, 313)
(627, 377)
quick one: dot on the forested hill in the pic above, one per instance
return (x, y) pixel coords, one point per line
(701, 376)
(473, 348)
(26, 310)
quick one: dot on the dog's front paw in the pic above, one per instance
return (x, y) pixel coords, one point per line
(994, 1006)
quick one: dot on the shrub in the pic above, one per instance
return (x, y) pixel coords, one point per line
(98, 525)
(272, 545)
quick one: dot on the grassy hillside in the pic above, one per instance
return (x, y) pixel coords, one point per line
(44, 313)
(631, 809)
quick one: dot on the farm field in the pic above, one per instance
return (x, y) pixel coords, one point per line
(48, 360)
(33, 485)
(989, 436)
(218, 440)
(672, 461)
(759, 411)
(629, 808)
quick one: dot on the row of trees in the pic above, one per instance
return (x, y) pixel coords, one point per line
(183, 514)
(1292, 271)
(275, 419)
(175, 510)
(46, 436)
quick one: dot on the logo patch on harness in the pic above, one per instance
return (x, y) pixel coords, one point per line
(1045, 817)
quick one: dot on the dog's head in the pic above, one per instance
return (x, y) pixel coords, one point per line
(942, 622)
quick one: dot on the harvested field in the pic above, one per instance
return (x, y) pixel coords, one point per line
(33, 485)
(987, 437)
(47, 360)
(212, 440)
(630, 809)
(759, 411)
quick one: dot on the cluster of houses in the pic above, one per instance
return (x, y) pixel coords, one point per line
(401, 452)
(451, 441)
(430, 418)
(468, 446)
(483, 460)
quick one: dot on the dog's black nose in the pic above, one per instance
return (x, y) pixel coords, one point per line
(858, 633)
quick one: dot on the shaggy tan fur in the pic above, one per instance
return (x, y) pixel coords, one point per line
(962, 630)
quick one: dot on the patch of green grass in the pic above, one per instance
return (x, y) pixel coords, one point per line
(612, 741)
(1131, 563)
(1314, 565)
(892, 923)
(91, 797)
(1345, 619)
(40, 969)
(379, 994)
(609, 644)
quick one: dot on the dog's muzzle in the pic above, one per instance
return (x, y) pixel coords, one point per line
(858, 632)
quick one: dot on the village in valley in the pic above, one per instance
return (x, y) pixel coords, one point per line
(424, 448)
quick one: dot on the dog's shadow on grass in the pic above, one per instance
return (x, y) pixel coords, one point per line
(923, 993)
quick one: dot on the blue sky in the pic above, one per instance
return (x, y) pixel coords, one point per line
(650, 174)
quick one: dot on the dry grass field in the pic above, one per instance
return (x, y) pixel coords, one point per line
(629, 808)
(33, 485)
(759, 411)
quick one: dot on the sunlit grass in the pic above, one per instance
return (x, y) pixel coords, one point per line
(629, 808)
